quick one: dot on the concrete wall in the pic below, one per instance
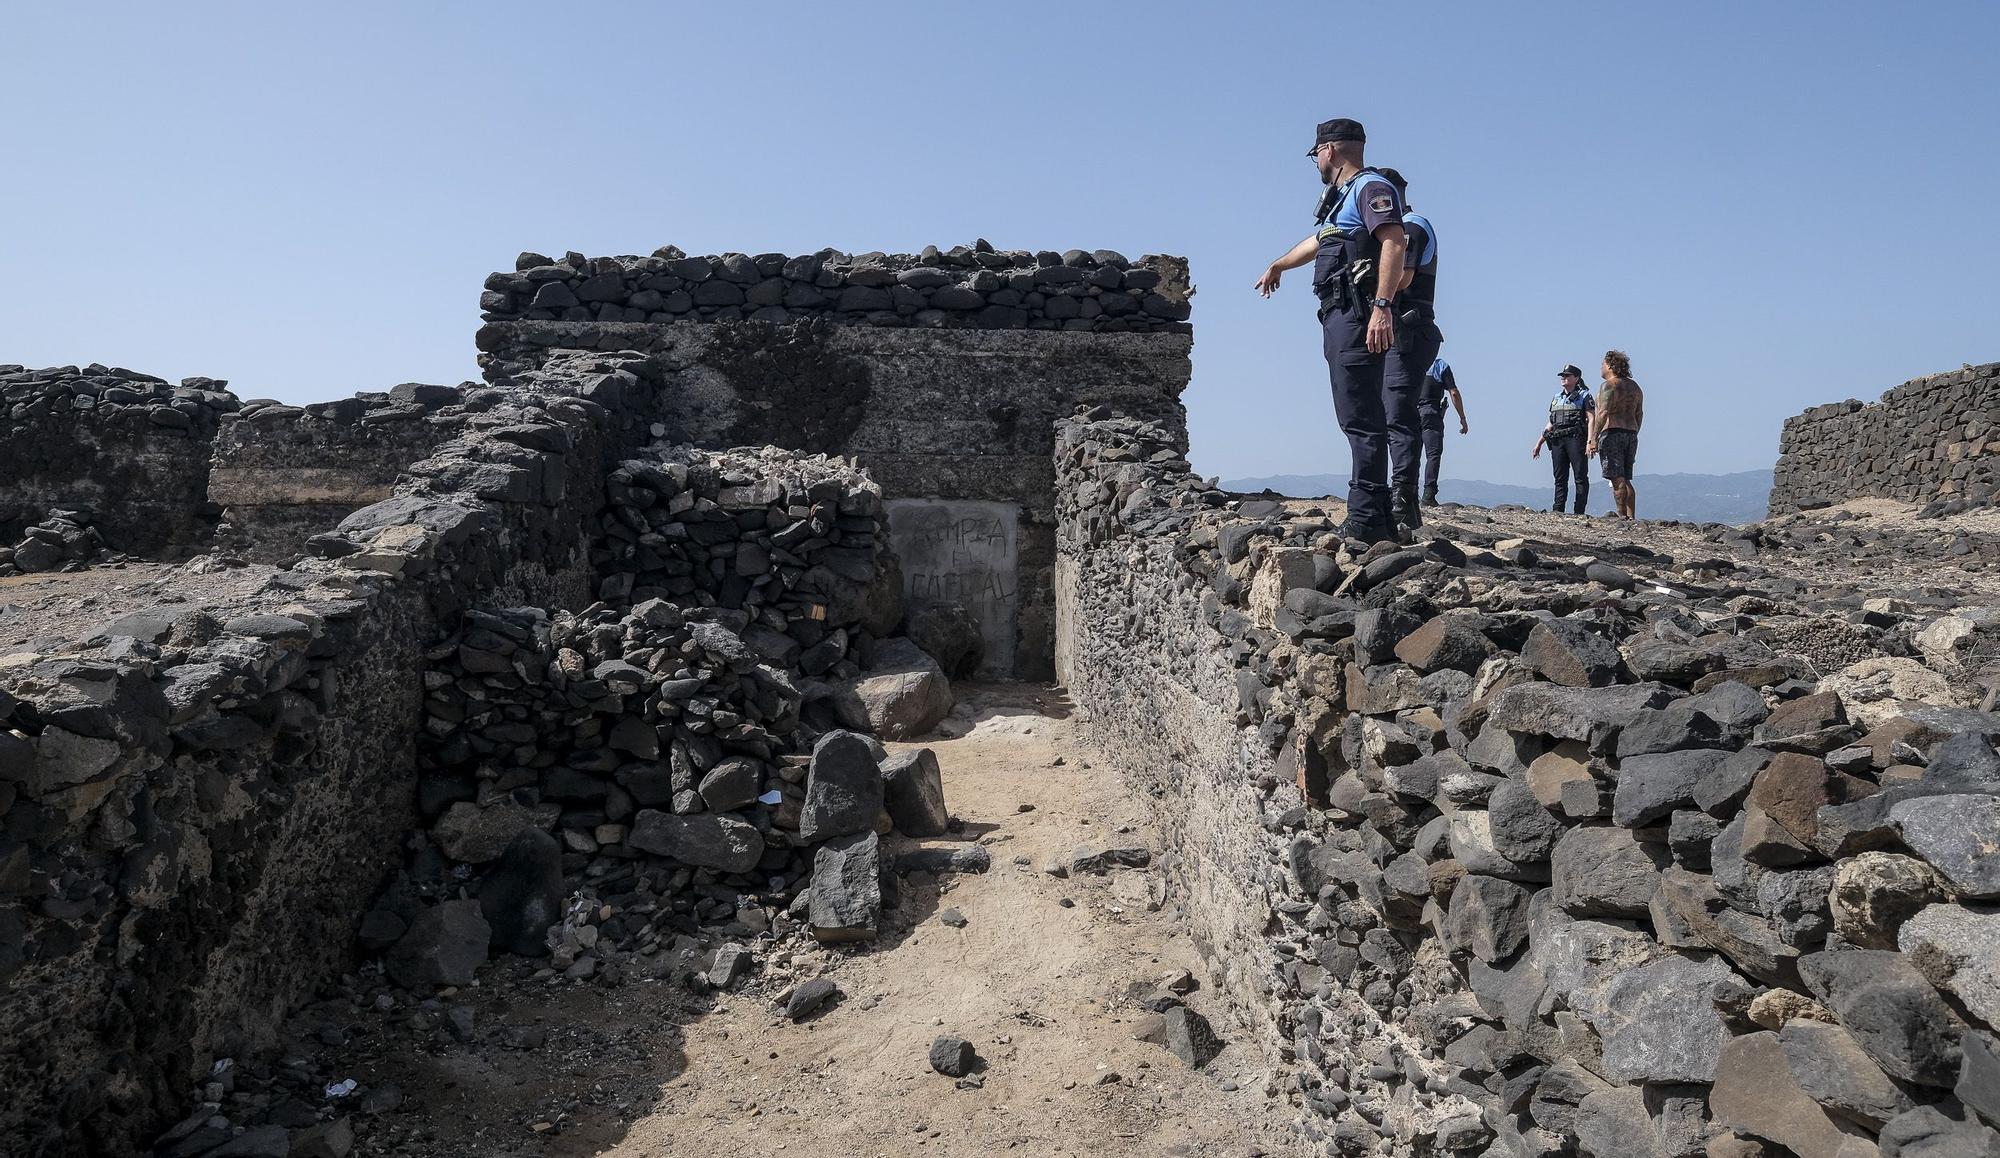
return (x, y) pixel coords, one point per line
(1931, 438)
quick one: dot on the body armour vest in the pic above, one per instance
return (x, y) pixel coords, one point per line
(1346, 250)
(1422, 290)
(1567, 416)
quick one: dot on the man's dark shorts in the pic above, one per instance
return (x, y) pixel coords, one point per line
(1615, 451)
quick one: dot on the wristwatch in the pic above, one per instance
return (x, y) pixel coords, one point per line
(1384, 304)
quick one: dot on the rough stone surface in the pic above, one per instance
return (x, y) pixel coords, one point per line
(913, 791)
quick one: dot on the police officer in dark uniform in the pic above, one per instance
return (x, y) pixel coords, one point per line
(1410, 360)
(1567, 437)
(1359, 236)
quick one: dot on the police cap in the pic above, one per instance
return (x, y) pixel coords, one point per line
(1337, 129)
(1396, 179)
(1566, 371)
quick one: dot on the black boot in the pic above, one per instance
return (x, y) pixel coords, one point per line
(1405, 513)
(1430, 498)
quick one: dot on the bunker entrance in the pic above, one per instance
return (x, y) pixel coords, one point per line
(965, 552)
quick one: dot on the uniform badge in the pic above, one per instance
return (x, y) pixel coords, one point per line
(1382, 203)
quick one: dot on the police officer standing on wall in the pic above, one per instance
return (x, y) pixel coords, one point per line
(1360, 234)
(1405, 375)
(1567, 436)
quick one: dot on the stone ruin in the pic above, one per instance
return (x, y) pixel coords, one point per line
(1494, 845)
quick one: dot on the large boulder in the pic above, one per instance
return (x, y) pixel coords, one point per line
(522, 895)
(1658, 1023)
(844, 788)
(474, 835)
(902, 695)
(1892, 1011)
(846, 902)
(705, 840)
(445, 944)
(913, 791)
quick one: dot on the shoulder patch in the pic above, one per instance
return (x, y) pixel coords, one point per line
(1381, 203)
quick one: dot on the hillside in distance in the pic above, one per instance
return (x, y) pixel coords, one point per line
(1697, 498)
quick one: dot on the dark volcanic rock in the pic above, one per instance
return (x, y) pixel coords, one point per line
(707, 840)
(953, 1057)
(847, 888)
(1892, 1011)
(444, 946)
(1605, 871)
(1830, 1066)
(913, 791)
(1569, 652)
(522, 895)
(844, 789)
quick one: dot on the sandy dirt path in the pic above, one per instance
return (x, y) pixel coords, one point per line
(1044, 991)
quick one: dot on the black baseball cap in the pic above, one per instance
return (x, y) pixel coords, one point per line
(1337, 129)
(1396, 179)
(1567, 371)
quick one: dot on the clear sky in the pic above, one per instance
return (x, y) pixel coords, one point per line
(1769, 205)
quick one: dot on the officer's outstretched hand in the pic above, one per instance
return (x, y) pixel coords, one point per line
(1269, 281)
(1381, 331)
(1537, 452)
(1463, 427)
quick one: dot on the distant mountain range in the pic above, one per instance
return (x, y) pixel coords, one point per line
(1742, 497)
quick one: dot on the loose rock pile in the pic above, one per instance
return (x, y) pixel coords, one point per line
(1573, 860)
(63, 539)
(965, 286)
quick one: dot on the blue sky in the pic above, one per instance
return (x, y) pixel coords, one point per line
(1768, 205)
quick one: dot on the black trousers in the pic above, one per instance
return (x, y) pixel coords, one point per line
(1431, 419)
(1569, 459)
(1417, 343)
(1372, 428)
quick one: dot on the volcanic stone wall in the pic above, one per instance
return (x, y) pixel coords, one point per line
(1509, 855)
(128, 448)
(1929, 439)
(196, 800)
(941, 373)
(283, 473)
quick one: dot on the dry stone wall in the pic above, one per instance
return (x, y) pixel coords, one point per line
(1933, 439)
(1508, 854)
(969, 286)
(282, 473)
(129, 450)
(948, 404)
(194, 800)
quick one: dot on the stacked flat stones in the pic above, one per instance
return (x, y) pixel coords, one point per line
(115, 396)
(1928, 439)
(775, 534)
(1582, 866)
(401, 403)
(625, 732)
(973, 286)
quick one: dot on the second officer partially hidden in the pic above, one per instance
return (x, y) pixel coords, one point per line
(1360, 234)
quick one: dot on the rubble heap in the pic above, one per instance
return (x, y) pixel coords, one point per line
(63, 539)
(1548, 853)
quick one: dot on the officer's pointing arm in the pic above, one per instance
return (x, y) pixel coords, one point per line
(1295, 257)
